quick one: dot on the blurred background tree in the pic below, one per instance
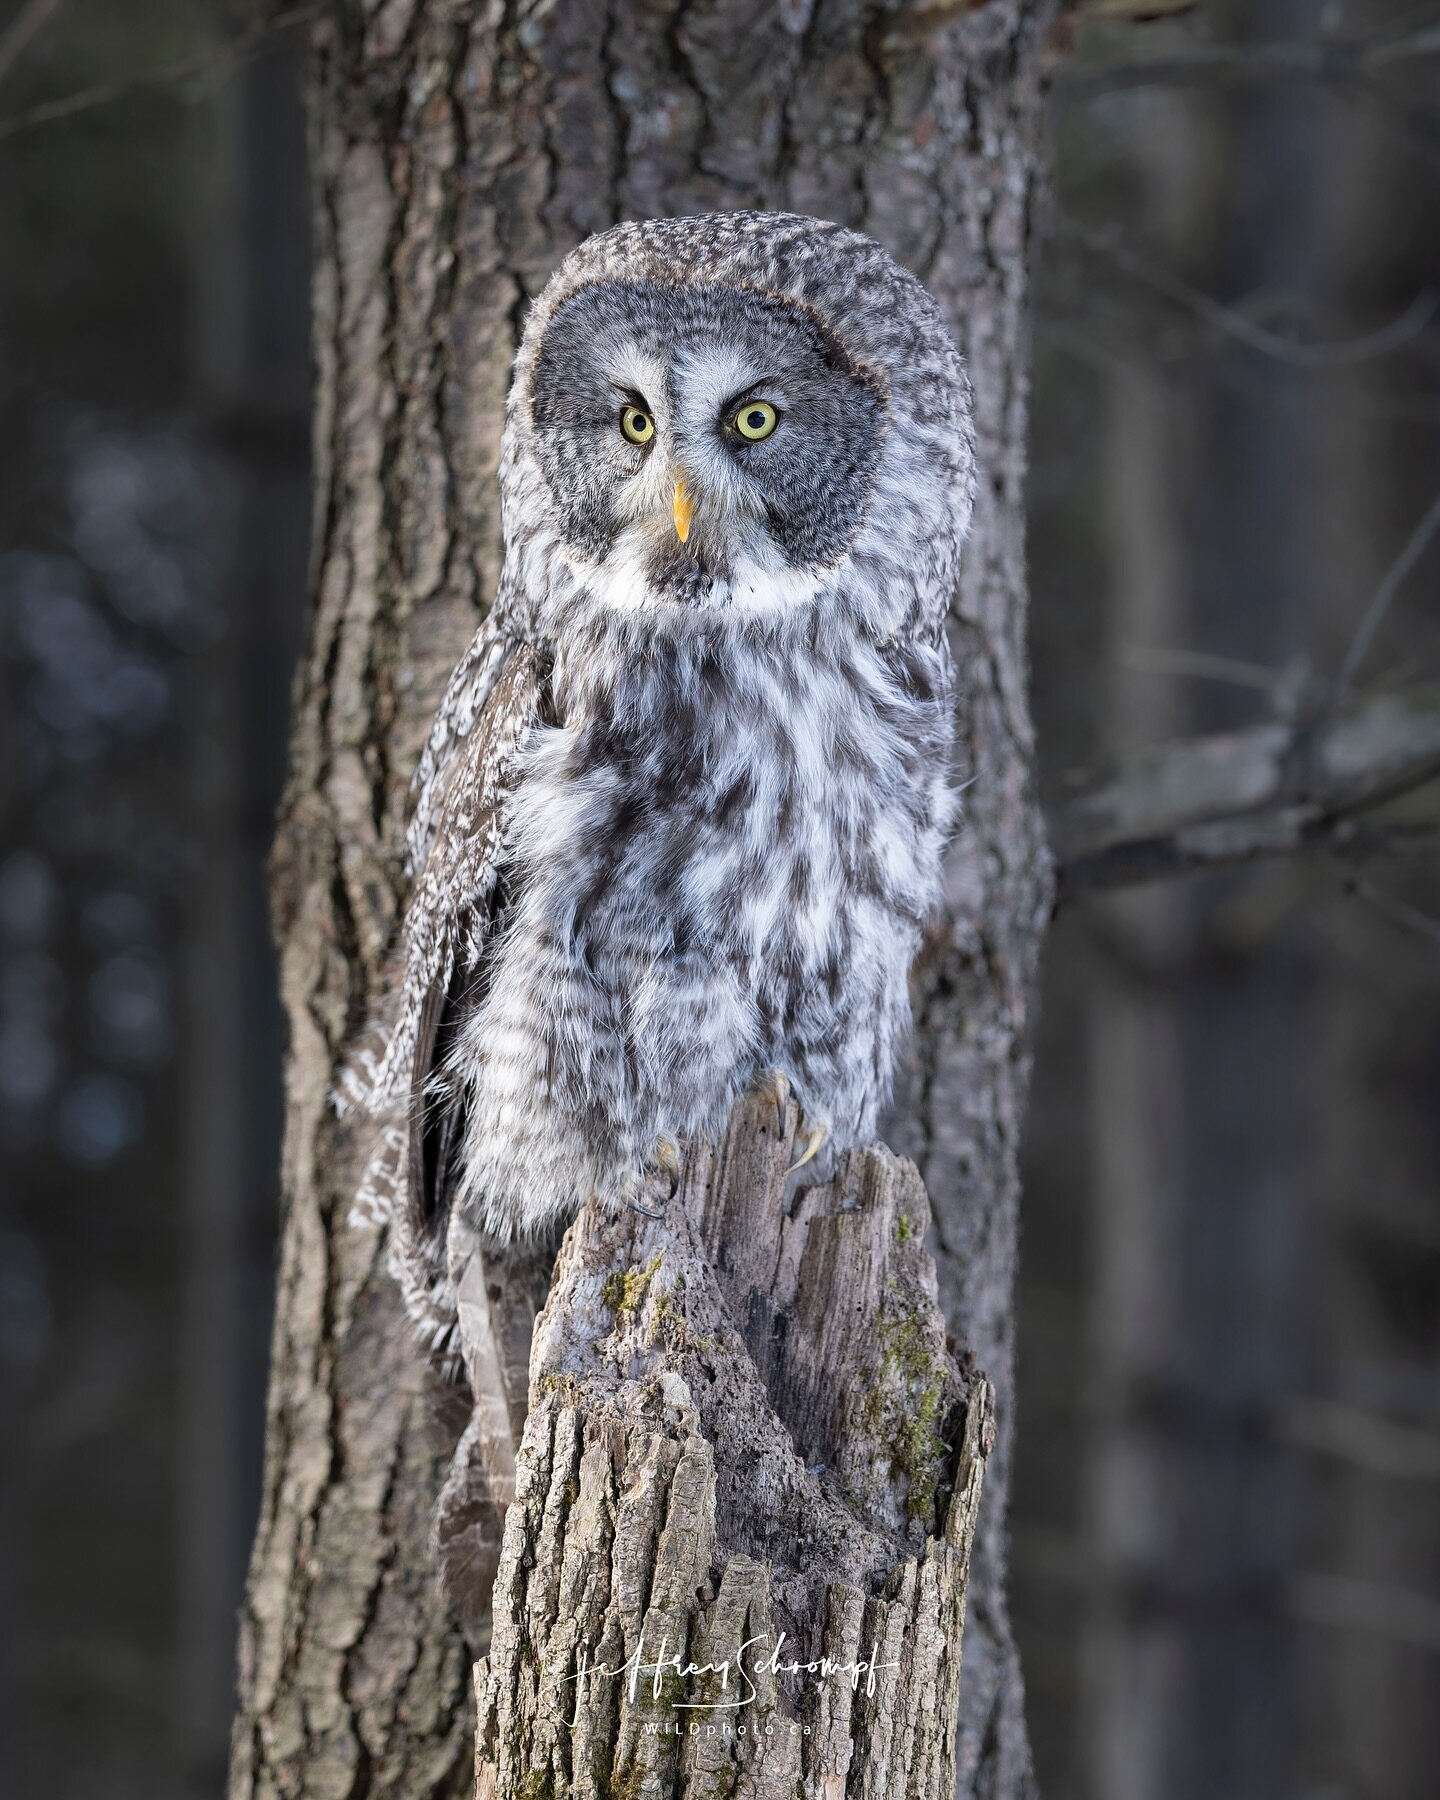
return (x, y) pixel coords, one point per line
(1226, 1564)
(154, 509)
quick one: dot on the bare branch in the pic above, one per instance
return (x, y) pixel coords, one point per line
(1384, 839)
(1138, 12)
(1275, 789)
(1384, 595)
(22, 29)
(183, 70)
(1199, 665)
(1336, 1602)
(1364, 1440)
(1325, 60)
(1400, 912)
(1235, 324)
(1378, 1609)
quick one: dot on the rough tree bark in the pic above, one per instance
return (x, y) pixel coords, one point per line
(458, 150)
(747, 1450)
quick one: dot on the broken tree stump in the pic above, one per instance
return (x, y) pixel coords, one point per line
(744, 1499)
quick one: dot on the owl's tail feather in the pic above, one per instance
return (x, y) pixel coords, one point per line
(379, 1070)
(376, 1081)
(376, 1072)
(395, 1076)
(357, 1087)
(416, 1262)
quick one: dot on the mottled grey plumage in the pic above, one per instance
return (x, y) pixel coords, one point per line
(680, 818)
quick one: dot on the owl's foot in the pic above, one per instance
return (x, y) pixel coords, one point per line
(666, 1157)
(775, 1088)
(640, 1189)
(638, 1197)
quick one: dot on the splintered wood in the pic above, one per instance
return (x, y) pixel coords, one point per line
(745, 1496)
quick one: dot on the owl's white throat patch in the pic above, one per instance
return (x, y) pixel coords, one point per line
(754, 583)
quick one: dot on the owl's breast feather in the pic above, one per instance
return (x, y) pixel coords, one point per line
(728, 807)
(713, 874)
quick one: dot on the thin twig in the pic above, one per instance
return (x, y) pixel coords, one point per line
(1336, 1602)
(1235, 324)
(1385, 594)
(1414, 662)
(1327, 60)
(1137, 12)
(1407, 124)
(1354, 841)
(1387, 905)
(1404, 46)
(174, 74)
(1346, 1603)
(1365, 1440)
(1199, 664)
(1089, 348)
(29, 21)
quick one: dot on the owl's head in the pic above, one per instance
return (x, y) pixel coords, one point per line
(730, 415)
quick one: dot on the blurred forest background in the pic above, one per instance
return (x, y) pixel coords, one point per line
(1227, 1506)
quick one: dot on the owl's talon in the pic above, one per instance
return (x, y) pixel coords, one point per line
(667, 1157)
(775, 1088)
(812, 1138)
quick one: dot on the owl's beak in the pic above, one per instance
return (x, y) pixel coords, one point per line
(684, 511)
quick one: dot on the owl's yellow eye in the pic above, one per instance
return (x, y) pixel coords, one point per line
(756, 420)
(638, 426)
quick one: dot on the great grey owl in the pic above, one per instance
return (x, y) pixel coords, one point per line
(679, 822)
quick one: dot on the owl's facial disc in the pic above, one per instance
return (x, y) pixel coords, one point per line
(702, 445)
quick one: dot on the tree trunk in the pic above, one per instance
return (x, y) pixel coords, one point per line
(747, 1451)
(458, 151)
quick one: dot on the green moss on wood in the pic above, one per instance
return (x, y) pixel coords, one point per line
(672, 1328)
(624, 1292)
(910, 1363)
(920, 1453)
(631, 1785)
(539, 1784)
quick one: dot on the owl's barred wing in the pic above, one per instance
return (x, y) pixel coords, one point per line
(453, 911)
(454, 906)
(452, 903)
(466, 694)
